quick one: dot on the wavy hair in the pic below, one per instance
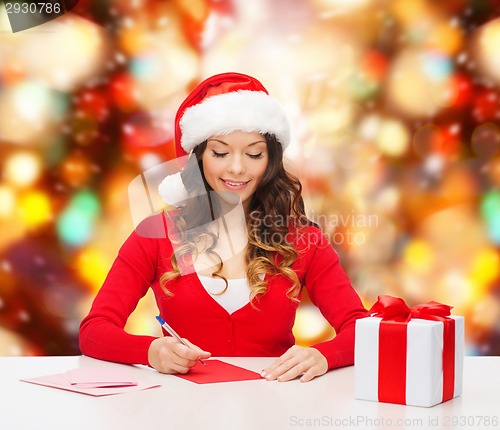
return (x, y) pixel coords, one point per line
(276, 208)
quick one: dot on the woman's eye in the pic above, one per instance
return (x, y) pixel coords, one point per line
(255, 156)
(218, 154)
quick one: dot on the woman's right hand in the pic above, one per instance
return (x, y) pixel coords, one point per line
(168, 355)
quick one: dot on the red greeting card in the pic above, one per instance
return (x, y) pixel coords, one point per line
(218, 371)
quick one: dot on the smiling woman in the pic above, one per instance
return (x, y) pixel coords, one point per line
(233, 135)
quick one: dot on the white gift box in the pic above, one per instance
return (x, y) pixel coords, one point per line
(424, 360)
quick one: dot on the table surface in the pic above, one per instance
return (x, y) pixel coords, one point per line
(324, 403)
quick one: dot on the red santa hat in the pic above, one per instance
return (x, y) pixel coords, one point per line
(222, 104)
(225, 103)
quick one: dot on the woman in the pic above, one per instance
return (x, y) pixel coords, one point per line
(228, 273)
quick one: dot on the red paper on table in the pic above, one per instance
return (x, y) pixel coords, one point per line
(218, 371)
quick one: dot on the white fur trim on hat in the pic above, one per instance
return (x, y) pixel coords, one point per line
(244, 110)
(172, 190)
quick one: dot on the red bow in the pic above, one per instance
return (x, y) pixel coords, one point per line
(395, 308)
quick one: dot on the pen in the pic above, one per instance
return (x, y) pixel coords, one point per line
(172, 332)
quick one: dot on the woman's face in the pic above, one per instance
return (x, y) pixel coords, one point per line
(235, 163)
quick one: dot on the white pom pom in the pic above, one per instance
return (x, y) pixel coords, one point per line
(172, 190)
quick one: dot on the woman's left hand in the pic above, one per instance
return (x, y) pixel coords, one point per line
(308, 362)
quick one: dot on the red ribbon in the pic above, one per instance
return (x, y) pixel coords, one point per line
(395, 316)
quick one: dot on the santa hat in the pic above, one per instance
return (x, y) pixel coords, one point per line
(222, 104)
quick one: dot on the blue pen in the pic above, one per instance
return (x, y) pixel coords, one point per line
(172, 332)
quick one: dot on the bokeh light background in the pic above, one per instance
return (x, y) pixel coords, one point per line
(395, 107)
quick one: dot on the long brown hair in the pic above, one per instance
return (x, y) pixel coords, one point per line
(275, 208)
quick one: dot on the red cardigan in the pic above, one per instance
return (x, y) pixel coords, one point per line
(265, 331)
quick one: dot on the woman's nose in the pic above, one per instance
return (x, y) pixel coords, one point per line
(236, 165)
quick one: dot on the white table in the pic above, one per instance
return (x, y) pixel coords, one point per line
(324, 403)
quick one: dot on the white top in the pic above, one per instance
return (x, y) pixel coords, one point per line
(235, 297)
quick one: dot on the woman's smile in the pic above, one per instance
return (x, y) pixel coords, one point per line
(234, 185)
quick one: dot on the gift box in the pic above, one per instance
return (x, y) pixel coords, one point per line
(411, 356)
